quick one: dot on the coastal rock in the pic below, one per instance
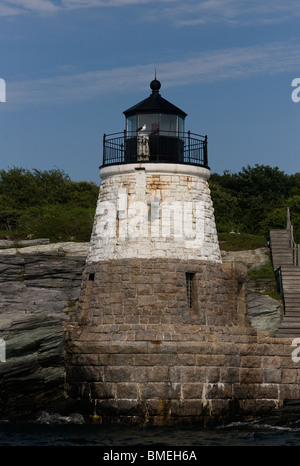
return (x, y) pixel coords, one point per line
(252, 259)
(39, 287)
(32, 378)
(43, 279)
(264, 312)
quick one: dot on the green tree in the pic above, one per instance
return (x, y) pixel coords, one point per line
(56, 222)
(258, 190)
(227, 212)
(45, 203)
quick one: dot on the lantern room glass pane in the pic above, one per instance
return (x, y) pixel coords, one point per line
(131, 125)
(181, 127)
(169, 125)
(150, 121)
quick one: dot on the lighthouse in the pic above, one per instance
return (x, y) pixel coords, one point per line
(154, 199)
(154, 288)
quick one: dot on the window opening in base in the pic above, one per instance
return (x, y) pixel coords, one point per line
(189, 288)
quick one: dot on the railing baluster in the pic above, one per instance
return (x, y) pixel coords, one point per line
(189, 145)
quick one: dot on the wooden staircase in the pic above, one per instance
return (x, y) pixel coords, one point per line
(285, 254)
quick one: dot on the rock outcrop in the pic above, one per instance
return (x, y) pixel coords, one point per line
(252, 259)
(39, 286)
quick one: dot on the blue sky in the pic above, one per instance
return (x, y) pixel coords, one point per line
(71, 68)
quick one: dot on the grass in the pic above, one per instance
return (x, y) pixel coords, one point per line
(265, 272)
(241, 242)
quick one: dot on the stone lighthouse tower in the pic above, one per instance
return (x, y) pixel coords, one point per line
(154, 198)
(153, 280)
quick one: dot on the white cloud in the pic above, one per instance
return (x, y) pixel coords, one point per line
(178, 12)
(237, 63)
(231, 12)
(43, 7)
(15, 7)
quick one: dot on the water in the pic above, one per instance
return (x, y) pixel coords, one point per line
(55, 430)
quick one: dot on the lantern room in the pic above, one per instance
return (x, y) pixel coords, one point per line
(155, 132)
(155, 115)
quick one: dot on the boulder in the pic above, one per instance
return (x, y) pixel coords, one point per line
(252, 259)
(264, 312)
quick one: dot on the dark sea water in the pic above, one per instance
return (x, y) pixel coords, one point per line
(56, 430)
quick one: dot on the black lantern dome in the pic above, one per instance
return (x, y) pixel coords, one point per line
(155, 133)
(155, 103)
(156, 113)
(153, 125)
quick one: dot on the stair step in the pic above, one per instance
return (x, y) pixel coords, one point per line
(291, 297)
(289, 324)
(291, 319)
(283, 257)
(276, 231)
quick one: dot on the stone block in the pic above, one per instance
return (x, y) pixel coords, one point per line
(102, 390)
(289, 376)
(211, 360)
(218, 390)
(230, 375)
(272, 375)
(155, 390)
(242, 391)
(267, 391)
(121, 359)
(163, 347)
(154, 359)
(127, 390)
(251, 376)
(214, 374)
(250, 361)
(192, 391)
(186, 360)
(187, 408)
(117, 374)
(147, 300)
(187, 374)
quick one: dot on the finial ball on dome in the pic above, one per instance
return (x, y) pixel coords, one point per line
(155, 86)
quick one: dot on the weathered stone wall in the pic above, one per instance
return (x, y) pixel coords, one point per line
(175, 374)
(154, 210)
(146, 368)
(154, 360)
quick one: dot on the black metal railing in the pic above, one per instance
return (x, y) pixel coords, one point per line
(294, 246)
(162, 146)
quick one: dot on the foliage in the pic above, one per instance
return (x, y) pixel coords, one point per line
(255, 200)
(57, 222)
(47, 204)
(242, 241)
